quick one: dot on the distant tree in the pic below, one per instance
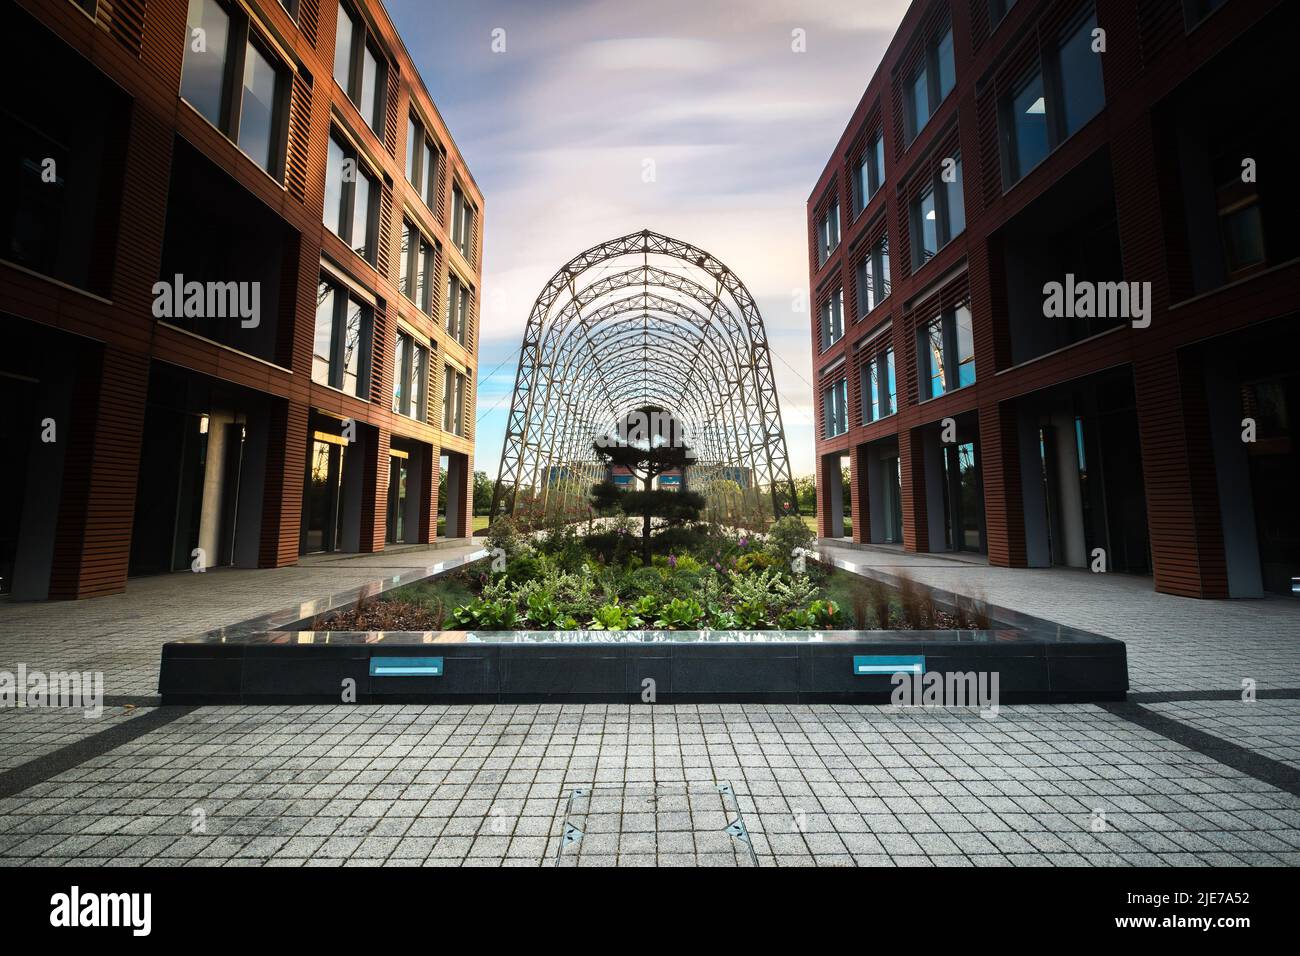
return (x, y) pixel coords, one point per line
(648, 443)
(483, 488)
(806, 488)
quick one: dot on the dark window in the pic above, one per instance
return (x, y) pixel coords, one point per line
(869, 174)
(1025, 126)
(938, 213)
(62, 167)
(835, 399)
(828, 232)
(832, 316)
(1047, 107)
(1077, 69)
(931, 82)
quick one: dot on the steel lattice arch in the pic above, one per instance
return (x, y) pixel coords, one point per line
(644, 320)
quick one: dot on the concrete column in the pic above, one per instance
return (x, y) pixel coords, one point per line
(1232, 472)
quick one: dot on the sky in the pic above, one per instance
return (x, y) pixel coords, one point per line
(557, 128)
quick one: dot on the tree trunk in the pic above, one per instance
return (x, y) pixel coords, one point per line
(645, 529)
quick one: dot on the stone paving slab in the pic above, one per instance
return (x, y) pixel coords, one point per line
(122, 635)
(1268, 727)
(1174, 643)
(413, 785)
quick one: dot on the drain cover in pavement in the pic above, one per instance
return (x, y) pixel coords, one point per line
(665, 824)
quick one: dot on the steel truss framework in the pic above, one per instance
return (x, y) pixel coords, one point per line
(643, 320)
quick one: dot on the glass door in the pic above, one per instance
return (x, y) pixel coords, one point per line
(397, 471)
(322, 498)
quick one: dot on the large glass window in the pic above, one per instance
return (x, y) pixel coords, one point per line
(832, 314)
(932, 81)
(937, 214)
(453, 400)
(873, 276)
(421, 162)
(203, 74)
(456, 312)
(341, 344)
(1025, 126)
(417, 267)
(870, 171)
(835, 402)
(257, 121)
(1078, 73)
(828, 232)
(229, 77)
(462, 223)
(1046, 107)
(350, 199)
(946, 352)
(410, 365)
(359, 68)
(879, 398)
(932, 348)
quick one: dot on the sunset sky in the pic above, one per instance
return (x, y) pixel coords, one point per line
(557, 127)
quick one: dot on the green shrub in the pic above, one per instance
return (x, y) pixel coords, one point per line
(785, 535)
(504, 533)
(754, 561)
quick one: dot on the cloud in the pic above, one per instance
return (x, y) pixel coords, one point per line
(557, 130)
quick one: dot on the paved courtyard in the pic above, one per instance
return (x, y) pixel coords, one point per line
(1187, 772)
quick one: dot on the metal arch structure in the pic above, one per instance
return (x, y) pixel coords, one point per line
(643, 320)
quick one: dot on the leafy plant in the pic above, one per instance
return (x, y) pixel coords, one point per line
(751, 615)
(680, 614)
(646, 606)
(613, 617)
(486, 615)
(824, 613)
(797, 619)
(542, 611)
